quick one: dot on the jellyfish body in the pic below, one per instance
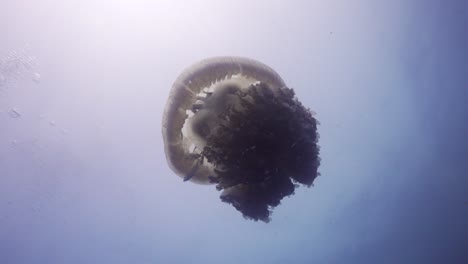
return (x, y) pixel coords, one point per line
(232, 122)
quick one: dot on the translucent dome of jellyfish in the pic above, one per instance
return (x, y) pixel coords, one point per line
(232, 122)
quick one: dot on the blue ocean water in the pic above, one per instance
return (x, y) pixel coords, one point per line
(83, 177)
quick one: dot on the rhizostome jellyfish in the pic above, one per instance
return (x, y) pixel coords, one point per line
(232, 122)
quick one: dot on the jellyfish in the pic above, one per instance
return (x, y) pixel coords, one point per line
(232, 122)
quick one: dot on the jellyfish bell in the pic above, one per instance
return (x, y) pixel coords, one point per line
(232, 122)
(217, 76)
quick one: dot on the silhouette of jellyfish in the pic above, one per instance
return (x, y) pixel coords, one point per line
(232, 122)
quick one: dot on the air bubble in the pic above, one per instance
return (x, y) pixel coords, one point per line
(17, 65)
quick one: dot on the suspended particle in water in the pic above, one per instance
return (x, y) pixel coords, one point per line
(14, 113)
(36, 77)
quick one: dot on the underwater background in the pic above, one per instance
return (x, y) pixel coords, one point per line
(84, 179)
